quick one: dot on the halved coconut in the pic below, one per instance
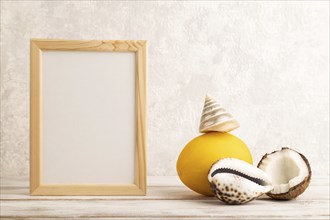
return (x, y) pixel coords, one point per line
(289, 171)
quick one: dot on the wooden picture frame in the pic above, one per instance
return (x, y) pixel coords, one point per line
(39, 48)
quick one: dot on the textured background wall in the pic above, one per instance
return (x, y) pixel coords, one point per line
(267, 63)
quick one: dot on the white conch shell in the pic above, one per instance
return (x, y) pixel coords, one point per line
(237, 182)
(216, 118)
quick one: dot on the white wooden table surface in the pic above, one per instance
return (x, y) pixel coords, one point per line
(166, 198)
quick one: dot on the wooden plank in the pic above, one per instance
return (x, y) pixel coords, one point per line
(141, 118)
(161, 208)
(58, 190)
(89, 45)
(152, 181)
(35, 116)
(187, 217)
(313, 193)
(158, 188)
(167, 198)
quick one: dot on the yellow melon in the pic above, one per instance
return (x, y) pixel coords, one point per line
(200, 153)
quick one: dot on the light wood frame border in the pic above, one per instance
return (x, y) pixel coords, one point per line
(36, 48)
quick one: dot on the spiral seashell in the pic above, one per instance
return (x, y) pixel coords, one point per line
(216, 118)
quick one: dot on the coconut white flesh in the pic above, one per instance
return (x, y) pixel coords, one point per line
(286, 169)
